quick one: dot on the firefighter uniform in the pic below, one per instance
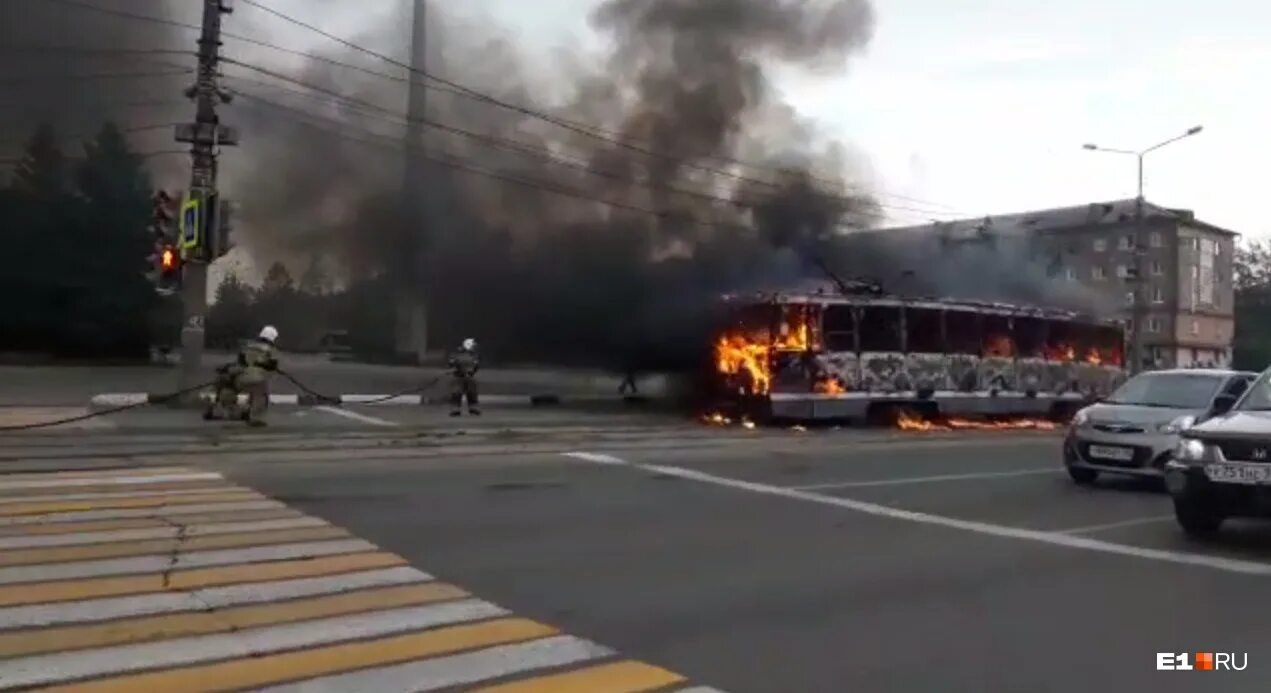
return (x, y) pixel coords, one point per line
(250, 376)
(464, 365)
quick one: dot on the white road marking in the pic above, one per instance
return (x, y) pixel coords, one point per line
(374, 421)
(72, 539)
(54, 481)
(159, 511)
(202, 491)
(596, 457)
(196, 559)
(1231, 565)
(456, 670)
(927, 479)
(252, 642)
(105, 609)
(1116, 525)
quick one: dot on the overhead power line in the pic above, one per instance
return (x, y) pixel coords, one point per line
(522, 147)
(586, 131)
(459, 89)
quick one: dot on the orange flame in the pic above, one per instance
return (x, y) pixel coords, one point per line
(1062, 351)
(736, 353)
(999, 346)
(830, 386)
(1094, 357)
(906, 421)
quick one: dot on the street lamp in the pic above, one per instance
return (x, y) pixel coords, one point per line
(1136, 333)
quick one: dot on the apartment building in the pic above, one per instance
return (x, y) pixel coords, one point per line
(1187, 268)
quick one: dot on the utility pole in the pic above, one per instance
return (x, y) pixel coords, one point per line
(1139, 311)
(205, 135)
(417, 223)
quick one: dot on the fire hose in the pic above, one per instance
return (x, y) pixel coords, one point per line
(327, 399)
(106, 412)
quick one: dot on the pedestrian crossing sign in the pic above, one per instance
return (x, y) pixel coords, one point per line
(191, 238)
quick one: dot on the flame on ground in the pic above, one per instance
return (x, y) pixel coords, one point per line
(906, 421)
(719, 419)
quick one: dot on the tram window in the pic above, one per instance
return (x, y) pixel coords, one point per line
(1029, 334)
(1061, 340)
(880, 328)
(963, 331)
(922, 328)
(839, 328)
(997, 339)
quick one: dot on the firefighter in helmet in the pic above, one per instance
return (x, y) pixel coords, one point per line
(249, 375)
(464, 365)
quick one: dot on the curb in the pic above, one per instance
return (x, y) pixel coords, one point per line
(125, 399)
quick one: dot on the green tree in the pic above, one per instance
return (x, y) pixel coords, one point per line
(38, 211)
(110, 298)
(1252, 270)
(231, 318)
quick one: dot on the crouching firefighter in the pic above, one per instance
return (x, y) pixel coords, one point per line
(248, 375)
(464, 365)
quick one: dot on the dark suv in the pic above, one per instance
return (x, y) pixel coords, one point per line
(1222, 466)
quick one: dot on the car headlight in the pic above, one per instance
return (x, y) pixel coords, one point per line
(1178, 425)
(1190, 450)
(1080, 418)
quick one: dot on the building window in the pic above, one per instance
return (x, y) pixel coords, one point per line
(1157, 268)
(1158, 295)
(1070, 274)
(1097, 272)
(1129, 298)
(1207, 251)
(1123, 271)
(1154, 325)
(1127, 243)
(1195, 327)
(1155, 240)
(1100, 245)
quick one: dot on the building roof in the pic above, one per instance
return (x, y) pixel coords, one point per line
(1060, 219)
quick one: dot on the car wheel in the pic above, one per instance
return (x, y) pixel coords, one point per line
(1083, 476)
(1196, 518)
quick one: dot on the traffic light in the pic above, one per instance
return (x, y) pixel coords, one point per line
(166, 264)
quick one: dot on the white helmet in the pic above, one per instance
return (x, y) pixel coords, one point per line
(469, 344)
(269, 334)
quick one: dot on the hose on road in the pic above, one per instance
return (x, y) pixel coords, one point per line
(327, 399)
(106, 412)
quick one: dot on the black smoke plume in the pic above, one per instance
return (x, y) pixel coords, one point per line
(603, 237)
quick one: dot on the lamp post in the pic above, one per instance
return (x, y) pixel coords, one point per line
(1140, 248)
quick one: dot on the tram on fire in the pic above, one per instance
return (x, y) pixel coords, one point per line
(826, 355)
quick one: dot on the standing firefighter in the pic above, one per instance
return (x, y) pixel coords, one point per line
(249, 375)
(464, 365)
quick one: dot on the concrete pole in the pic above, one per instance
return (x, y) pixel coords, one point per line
(412, 306)
(203, 139)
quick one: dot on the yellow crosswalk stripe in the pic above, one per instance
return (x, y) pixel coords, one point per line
(64, 590)
(619, 677)
(36, 508)
(122, 632)
(261, 671)
(85, 552)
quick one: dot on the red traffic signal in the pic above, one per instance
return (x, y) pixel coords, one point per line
(168, 259)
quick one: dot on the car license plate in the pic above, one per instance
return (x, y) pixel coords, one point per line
(1230, 473)
(1108, 452)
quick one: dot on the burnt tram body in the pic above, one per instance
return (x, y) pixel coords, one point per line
(826, 356)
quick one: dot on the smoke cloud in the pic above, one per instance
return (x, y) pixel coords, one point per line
(602, 237)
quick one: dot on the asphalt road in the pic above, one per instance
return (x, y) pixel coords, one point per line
(784, 561)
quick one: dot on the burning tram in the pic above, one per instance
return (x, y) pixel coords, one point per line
(845, 355)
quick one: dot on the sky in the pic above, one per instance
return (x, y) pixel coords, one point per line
(982, 106)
